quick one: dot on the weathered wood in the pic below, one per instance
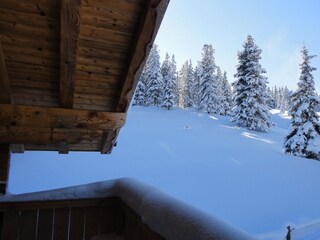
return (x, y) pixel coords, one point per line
(109, 141)
(10, 227)
(40, 117)
(4, 166)
(45, 224)
(149, 25)
(88, 61)
(77, 223)
(5, 96)
(69, 33)
(27, 224)
(61, 224)
(17, 148)
(34, 135)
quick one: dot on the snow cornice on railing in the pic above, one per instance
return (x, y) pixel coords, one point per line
(169, 217)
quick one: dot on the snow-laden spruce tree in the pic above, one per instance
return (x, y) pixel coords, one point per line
(139, 98)
(153, 78)
(226, 97)
(196, 87)
(250, 90)
(304, 137)
(187, 84)
(209, 99)
(169, 81)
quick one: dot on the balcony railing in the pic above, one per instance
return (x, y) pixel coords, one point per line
(115, 210)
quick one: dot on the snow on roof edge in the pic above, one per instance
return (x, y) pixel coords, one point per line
(170, 217)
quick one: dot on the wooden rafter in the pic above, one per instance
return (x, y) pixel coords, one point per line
(41, 125)
(69, 34)
(109, 141)
(149, 25)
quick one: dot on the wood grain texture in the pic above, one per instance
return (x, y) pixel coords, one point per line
(69, 27)
(71, 54)
(41, 117)
(149, 25)
(5, 96)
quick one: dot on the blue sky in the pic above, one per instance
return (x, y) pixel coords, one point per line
(279, 27)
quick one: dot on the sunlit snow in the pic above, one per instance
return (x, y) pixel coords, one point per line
(233, 173)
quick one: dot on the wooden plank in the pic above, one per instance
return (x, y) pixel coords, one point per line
(28, 225)
(45, 224)
(36, 60)
(61, 224)
(109, 141)
(149, 26)
(77, 223)
(92, 222)
(45, 204)
(40, 7)
(32, 19)
(10, 228)
(107, 215)
(41, 117)
(28, 41)
(5, 96)
(21, 29)
(69, 33)
(35, 135)
(31, 51)
(4, 167)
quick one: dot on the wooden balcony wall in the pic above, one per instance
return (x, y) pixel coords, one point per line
(123, 208)
(82, 219)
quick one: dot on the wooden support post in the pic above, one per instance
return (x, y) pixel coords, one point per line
(4, 167)
(69, 33)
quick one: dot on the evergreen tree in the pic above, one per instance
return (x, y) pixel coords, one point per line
(219, 93)
(304, 137)
(250, 90)
(169, 80)
(140, 93)
(196, 86)
(226, 97)
(154, 81)
(187, 84)
(208, 85)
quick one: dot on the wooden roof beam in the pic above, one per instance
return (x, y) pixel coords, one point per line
(5, 96)
(42, 125)
(44, 117)
(6, 93)
(69, 34)
(149, 25)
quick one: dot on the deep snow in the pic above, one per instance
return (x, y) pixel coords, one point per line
(235, 174)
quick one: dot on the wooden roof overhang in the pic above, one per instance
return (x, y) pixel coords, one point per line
(68, 70)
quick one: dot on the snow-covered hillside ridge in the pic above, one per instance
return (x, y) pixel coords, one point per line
(235, 174)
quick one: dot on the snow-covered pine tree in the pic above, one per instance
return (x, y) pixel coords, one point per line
(187, 84)
(139, 98)
(175, 78)
(226, 97)
(169, 81)
(219, 92)
(304, 137)
(285, 99)
(209, 99)
(250, 90)
(154, 82)
(196, 86)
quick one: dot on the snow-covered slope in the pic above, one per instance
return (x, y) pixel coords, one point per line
(238, 175)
